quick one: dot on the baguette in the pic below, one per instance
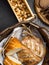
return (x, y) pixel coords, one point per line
(7, 61)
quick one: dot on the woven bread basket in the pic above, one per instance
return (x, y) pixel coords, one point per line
(7, 31)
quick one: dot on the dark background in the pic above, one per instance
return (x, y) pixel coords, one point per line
(7, 17)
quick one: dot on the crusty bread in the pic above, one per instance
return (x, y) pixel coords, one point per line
(7, 61)
(36, 46)
(12, 44)
(25, 55)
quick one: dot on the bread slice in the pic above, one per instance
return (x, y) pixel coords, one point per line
(10, 61)
(12, 44)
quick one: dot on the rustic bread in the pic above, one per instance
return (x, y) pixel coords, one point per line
(25, 55)
(36, 46)
(7, 61)
(10, 48)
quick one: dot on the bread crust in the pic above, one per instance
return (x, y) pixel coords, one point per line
(7, 61)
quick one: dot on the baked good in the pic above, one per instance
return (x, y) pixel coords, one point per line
(36, 46)
(42, 9)
(7, 61)
(17, 53)
(24, 54)
(12, 44)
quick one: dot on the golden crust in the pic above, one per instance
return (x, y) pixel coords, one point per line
(7, 61)
(36, 46)
(12, 44)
